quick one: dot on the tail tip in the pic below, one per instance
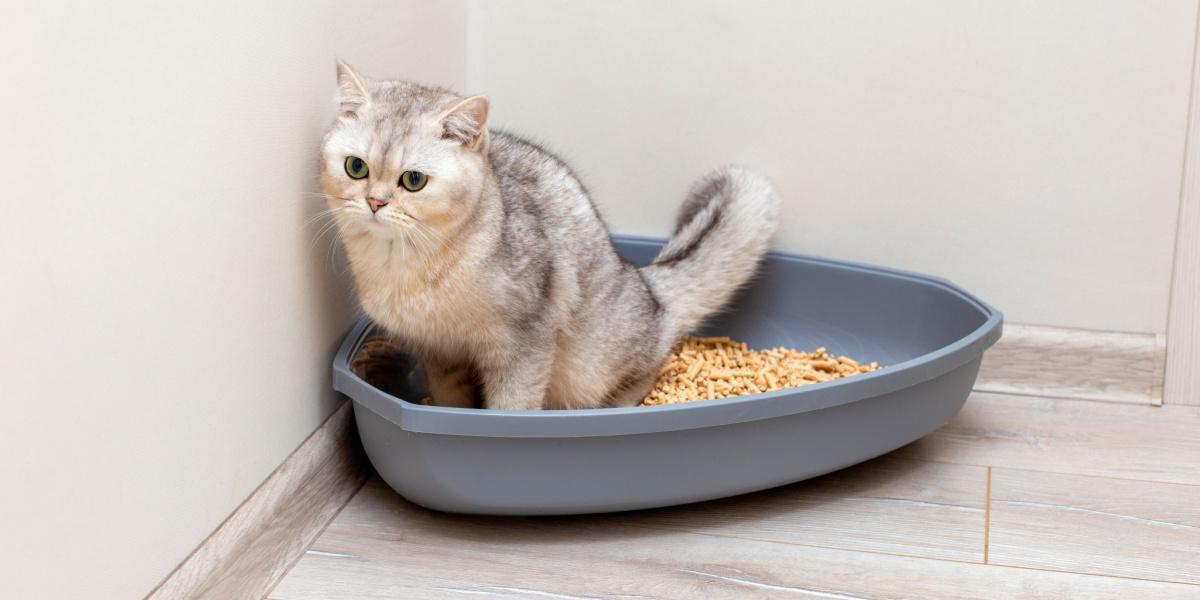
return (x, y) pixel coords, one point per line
(752, 187)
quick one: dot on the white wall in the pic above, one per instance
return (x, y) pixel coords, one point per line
(1029, 150)
(166, 321)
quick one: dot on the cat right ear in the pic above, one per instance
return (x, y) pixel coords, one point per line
(466, 123)
(352, 90)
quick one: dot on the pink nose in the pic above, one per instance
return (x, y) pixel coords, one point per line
(376, 204)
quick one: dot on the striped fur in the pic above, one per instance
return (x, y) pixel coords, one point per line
(499, 274)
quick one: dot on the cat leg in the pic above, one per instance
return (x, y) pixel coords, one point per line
(632, 393)
(519, 384)
(451, 384)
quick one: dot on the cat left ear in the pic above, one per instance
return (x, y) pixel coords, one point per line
(352, 90)
(467, 122)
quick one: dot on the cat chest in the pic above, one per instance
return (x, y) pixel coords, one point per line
(432, 317)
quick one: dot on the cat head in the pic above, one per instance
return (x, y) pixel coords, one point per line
(403, 161)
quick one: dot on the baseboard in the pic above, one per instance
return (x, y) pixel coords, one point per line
(1075, 363)
(248, 554)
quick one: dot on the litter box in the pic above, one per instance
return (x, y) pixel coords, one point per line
(929, 335)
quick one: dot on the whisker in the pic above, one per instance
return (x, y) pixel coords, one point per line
(422, 236)
(333, 246)
(325, 228)
(322, 213)
(317, 240)
(435, 237)
(327, 196)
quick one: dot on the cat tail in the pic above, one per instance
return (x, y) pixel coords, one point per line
(721, 234)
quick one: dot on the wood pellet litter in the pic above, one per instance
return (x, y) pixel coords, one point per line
(707, 368)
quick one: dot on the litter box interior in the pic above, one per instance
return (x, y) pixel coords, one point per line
(793, 303)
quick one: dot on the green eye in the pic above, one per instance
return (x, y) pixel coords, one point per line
(413, 181)
(356, 167)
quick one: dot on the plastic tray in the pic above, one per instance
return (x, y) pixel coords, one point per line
(929, 334)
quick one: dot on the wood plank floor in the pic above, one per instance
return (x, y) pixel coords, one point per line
(1018, 497)
(1086, 524)
(1151, 443)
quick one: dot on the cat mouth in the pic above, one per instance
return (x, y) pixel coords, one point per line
(375, 224)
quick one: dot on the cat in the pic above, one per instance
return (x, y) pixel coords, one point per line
(484, 256)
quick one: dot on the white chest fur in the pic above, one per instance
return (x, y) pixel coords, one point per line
(440, 308)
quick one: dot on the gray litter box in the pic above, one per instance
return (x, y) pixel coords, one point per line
(929, 334)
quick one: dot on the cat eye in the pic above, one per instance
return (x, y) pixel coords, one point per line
(413, 181)
(356, 167)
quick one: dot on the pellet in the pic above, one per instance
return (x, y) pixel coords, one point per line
(707, 368)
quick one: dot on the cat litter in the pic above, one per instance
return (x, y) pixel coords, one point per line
(709, 368)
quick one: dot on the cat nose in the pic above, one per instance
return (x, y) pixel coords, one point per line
(376, 204)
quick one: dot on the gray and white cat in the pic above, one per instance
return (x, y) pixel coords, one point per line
(483, 254)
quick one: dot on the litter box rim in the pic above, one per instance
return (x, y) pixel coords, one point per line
(574, 423)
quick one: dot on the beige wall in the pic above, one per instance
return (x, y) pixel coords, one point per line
(1028, 150)
(166, 320)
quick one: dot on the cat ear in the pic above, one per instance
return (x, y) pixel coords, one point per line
(352, 90)
(467, 122)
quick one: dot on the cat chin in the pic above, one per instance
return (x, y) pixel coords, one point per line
(372, 228)
(386, 231)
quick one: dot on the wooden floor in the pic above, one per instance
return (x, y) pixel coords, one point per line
(1019, 497)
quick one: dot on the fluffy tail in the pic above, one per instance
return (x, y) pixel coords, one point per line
(722, 232)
